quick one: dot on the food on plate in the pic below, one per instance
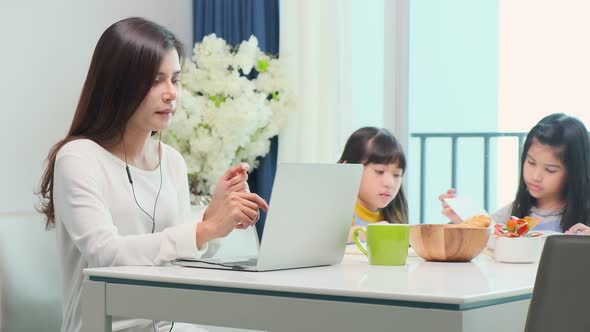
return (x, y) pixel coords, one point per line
(516, 227)
(477, 221)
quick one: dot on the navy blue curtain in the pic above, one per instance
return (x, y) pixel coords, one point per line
(235, 21)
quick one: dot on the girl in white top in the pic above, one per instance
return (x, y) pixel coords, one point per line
(115, 195)
(554, 183)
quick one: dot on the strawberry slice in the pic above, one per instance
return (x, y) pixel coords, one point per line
(522, 229)
(499, 233)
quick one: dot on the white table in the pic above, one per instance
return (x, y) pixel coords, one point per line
(482, 295)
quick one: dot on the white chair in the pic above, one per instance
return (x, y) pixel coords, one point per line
(561, 292)
(30, 286)
(30, 282)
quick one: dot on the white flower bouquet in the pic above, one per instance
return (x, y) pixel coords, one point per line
(233, 101)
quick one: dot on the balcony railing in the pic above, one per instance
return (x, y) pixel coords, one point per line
(454, 139)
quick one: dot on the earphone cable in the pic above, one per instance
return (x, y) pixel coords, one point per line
(153, 216)
(159, 188)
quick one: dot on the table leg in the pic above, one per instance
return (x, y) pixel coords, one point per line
(94, 317)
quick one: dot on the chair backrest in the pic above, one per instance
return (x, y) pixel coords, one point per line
(561, 295)
(30, 286)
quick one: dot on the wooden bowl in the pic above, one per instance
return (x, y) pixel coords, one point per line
(448, 243)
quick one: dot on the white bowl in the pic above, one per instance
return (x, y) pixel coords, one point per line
(518, 249)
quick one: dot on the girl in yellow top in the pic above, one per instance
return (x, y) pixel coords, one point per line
(381, 196)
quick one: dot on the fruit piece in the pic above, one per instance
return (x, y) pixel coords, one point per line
(511, 225)
(499, 233)
(478, 221)
(522, 229)
(532, 222)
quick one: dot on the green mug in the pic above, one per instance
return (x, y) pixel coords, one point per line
(387, 244)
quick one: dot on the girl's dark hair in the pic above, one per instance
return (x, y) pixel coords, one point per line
(570, 137)
(370, 145)
(122, 71)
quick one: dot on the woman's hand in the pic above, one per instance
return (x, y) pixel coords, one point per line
(447, 211)
(235, 179)
(236, 208)
(579, 229)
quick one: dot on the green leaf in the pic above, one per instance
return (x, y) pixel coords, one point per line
(217, 99)
(262, 65)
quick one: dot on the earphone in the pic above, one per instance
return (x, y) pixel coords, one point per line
(153, 216)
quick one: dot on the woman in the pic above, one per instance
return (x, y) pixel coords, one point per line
(115, 195)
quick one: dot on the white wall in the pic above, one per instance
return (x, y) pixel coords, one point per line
(45, 53)
(544, 61)
(543, 68)
(46, 50)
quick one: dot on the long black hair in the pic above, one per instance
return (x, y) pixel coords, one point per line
(570, 137)
(370, 145)
(122, 70)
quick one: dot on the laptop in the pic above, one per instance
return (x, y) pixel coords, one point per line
(308, 220)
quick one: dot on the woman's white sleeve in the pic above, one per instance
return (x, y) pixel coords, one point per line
(185, 208)
(80, 206)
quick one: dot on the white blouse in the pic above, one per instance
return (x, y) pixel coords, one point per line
(99, 224)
